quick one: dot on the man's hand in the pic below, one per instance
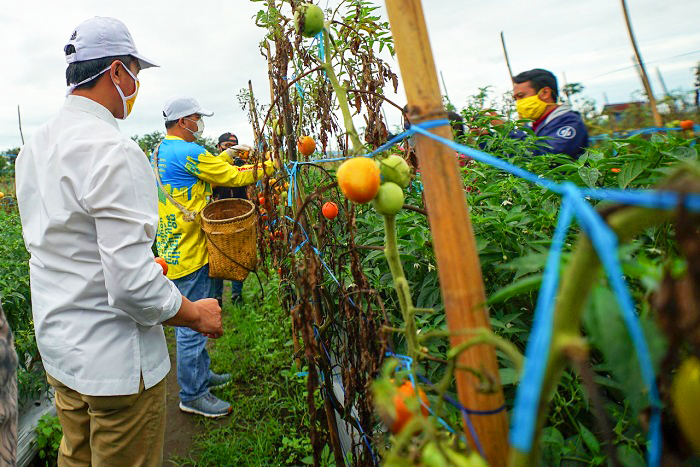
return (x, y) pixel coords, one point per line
(209, 322)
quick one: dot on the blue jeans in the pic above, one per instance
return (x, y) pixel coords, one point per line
(192, 357)
(218, 287)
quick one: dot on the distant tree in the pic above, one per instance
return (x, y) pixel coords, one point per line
(572, 89)
(149, 142)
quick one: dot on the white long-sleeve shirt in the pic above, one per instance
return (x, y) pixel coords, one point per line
(89, 207)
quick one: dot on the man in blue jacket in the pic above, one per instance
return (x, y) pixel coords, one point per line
(536, 94)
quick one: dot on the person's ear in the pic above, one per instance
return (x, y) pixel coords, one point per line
(545, 93)
(117, 71)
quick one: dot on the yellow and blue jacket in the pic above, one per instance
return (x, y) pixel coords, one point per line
(188, 171)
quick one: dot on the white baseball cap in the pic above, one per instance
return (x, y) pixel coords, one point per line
(182, 106)
(101, 37)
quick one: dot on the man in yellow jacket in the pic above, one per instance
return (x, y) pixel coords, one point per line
(188, 171)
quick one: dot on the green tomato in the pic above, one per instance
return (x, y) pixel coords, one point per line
(389, 200)
(395, 169)
(434, 456)
(312, 16)
(685, 393)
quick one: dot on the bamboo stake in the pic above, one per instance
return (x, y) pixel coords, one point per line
(671, 102)
(505, 53)
(568, 97)
(455, 248)
(642, 71)
(444, 86)
(19, 120)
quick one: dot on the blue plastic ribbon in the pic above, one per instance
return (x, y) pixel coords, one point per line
(526, 408)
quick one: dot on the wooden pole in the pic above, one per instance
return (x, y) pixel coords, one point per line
(670, 101)
(661, 80)
(642, 71)
(459, 269)
(505, 53)
(444, 86)
(568, 97)
(19, 120)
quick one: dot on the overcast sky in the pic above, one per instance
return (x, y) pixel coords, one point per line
(210, 50)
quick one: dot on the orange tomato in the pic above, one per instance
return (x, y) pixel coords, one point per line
(687, 125)
(359, 179)
(306, 145)
(163, 264)
(615, 170)
(403, 414)
(329, 210)
(261, 199)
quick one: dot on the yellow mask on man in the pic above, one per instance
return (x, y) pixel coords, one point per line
(531, 107)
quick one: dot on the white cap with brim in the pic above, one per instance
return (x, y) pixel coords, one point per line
(102, 37)
(182, 106)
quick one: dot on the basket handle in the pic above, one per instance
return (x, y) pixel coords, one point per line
(227, 233)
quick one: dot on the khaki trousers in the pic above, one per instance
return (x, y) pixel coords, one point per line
(111, 430)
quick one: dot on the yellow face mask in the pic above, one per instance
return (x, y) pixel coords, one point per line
(128, 101)
(531, 107)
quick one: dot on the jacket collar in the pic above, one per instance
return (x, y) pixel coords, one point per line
(558, 112)
(84, 104)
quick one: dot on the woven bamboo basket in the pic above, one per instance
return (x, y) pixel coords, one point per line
(230, 227)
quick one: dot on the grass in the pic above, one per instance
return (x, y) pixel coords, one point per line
(269, 422)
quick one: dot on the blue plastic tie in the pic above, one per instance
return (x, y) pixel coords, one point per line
(526, 408)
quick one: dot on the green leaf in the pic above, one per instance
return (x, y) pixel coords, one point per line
(630, 171)
(509, 376)
(551, 444)
(589, 439)
(519, 287)
(629, 457)
(589, 175)
(607, 331)
(684, 153)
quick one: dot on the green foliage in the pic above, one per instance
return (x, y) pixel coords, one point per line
(513, 222)
(149, 142)
(48, 438)
(269, 424)
(16, 301)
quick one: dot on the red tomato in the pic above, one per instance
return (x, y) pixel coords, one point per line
(329, 210)
(163, 264)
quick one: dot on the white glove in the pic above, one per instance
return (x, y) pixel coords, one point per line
(242, 147)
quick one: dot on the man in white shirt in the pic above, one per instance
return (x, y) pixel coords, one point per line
(89, 207)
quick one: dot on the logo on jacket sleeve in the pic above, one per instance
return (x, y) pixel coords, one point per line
(566, 132)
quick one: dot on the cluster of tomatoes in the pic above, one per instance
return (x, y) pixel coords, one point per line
(362, 180)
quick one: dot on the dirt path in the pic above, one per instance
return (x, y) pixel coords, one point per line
(180, 428)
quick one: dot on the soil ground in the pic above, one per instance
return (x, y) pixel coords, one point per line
(181, 428)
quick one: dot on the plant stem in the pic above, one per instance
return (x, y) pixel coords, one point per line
(342, 97)
(391, 251)
(576, 284)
